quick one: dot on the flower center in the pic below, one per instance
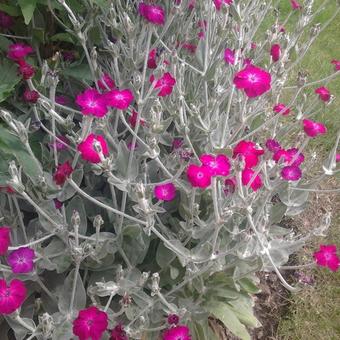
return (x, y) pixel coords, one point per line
(252, 78)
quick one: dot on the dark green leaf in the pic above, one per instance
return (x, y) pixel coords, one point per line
(27, 8)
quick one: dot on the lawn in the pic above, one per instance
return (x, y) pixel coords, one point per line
(314, 313)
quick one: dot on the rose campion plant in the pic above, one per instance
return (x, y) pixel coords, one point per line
(147, 160)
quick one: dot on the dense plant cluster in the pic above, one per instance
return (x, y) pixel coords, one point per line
(149, 151)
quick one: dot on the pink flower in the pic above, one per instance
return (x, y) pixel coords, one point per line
(12, 296)
(19, 51)
(69, 56)
(60, 146)
(295, 4)
(152, 13)
(173, 319)
(119, 99)
(191, 48)
(88, 151)
(313, 129)
(229, 56)
(199, 176)
(30, 96)
(132, 146)
(253, 45)
(282, 109)
(337, 157)
(118, 333)
(4, 239)
(249, 152)
(106, 82)
(324, 93)
(165, 84)
(177, 143)
(219, 3)
(326, 257)
(26, 70)
(58, 205)
(291, 173)
(181, 332)
(287, 156)
(275, 52)
(229, 186)
(165, 192)
(91, 323)
(92, 103)
(21, 260)
(62, 100)
(62, 173)
(133, 119)
(273, 145)
(253, 80)
(247, 176)
(336, 64)
(152, 62)
(218, 165)
(6, 21)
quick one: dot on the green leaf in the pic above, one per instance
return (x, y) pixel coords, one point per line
(81, 72)
(8, 78)
(4, 43)
(249, 286)
(66, 37)
(102, 3)
(10, 10)
(27, 9)
(225, 314)
(11, 145)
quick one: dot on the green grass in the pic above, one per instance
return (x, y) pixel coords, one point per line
(314, 313)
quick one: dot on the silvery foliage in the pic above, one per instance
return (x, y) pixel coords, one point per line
(112, 244)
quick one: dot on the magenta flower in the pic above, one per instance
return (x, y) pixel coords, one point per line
(30, 96)
(152, 61)
(177, 143)
(282, 109)
(273, 145)
(313, 129)
(6, 21)
(249, 152)
(4, 239)
(62, 100)
(91, 323)
(324, 93)
(295, 4)
(218, 165)
(133, 119)
(19, 51)
(219, 3)
(119, 99)
(173, 319)
(253, 80)
(229, 186)
(62, 173)
(326, 257)
(165, 84)
(118, 333)
(247, 176)
(21, 260)
(180, 332)
(152, 13)
(60, 146)
(199, 176)
(191, 48)
(165, 192)
(275, 52)
(26, 70)
(287, 156)
(69, 56)
(337, 158)
(92, 103)
(291, 173)
(336, 64)
(12, 296)
(88, 151)
(58, 205)
(106, 82)
(229, 56)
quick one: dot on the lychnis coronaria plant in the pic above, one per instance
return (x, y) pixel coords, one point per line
(149, 151)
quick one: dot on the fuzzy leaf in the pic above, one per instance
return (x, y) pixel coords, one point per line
(8, 78)
(27, 8)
